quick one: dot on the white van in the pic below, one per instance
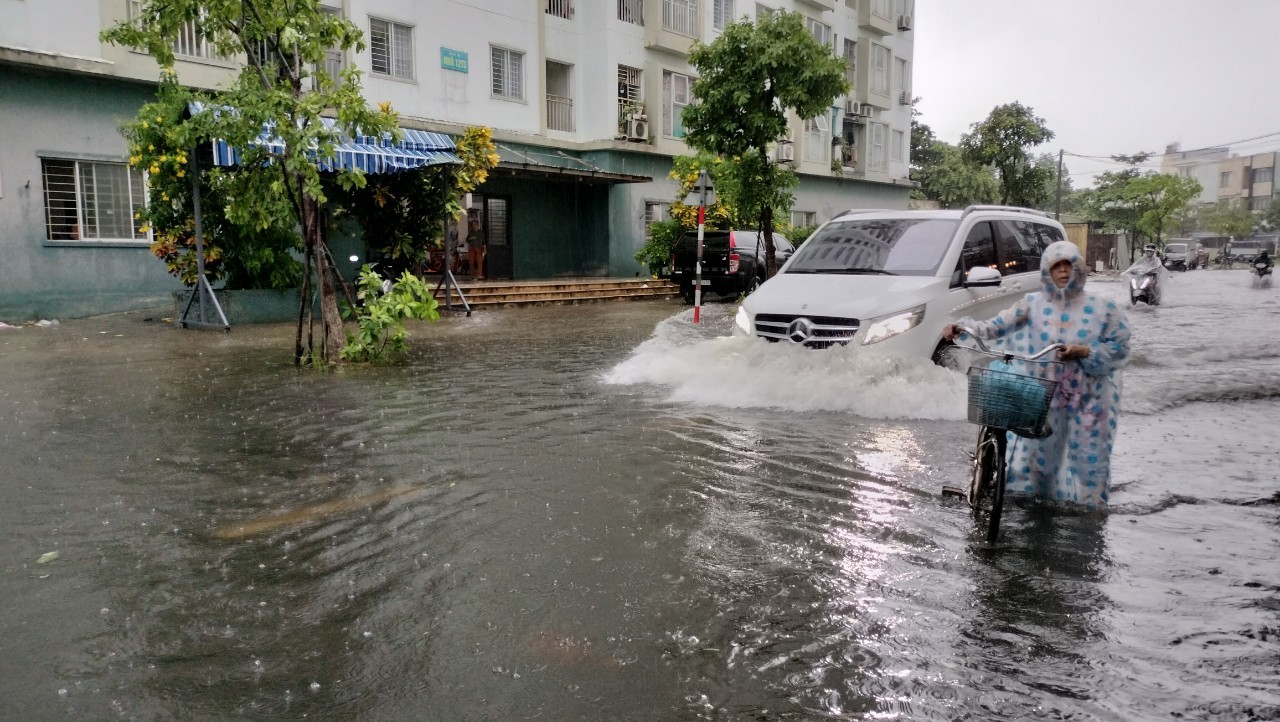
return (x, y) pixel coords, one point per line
(888, 282)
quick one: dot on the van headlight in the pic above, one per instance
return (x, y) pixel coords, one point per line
(886, 327)
(743, 321)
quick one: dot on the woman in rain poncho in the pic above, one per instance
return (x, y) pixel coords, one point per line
(1074, 463)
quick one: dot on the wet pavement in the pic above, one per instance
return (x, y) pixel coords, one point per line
(606, 512)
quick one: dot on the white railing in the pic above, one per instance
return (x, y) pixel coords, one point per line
(680, 16)
(631, 11)
(559, 113)
(560, 8)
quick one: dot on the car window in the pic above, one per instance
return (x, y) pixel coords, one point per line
(902, 246)
(1019, 245)
(781, 243)
(979, 250)
(717, 240)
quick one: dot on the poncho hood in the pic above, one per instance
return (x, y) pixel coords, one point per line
(1063, 251)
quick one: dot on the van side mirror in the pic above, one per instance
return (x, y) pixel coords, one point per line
(982, 277)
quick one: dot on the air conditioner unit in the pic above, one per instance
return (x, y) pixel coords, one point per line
(638, 128)
(904, 22)
(865, 110)
(852, 107)
(904, 98)
(786, 152)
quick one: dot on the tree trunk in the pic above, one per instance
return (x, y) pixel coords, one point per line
(766, 227)
(317, 253)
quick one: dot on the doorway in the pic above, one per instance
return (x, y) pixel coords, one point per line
(494, 214)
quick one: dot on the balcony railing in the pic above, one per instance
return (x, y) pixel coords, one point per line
(631, 11)
(680, 16)
(560, 8)
(559, 113)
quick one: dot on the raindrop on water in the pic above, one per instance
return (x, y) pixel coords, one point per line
(315, 686)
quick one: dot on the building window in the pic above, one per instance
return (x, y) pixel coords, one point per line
(191, 42)
(630, 96)
(820, 31)
(896, 149)
(654, 211)
(880, 57)
(803, 219)
(1259, 203)
(879, 158)
(680, 16)
(817, 139)
(631, 11)
(675, 97)
(882, 8)
(560, 8)
(902, 74)
(88, 201)
(851, 62)
(721, 13)
(1224, 179)
(391, 48)
(1263, 175)
(508, 73)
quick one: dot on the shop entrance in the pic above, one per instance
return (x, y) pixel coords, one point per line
(494, 214)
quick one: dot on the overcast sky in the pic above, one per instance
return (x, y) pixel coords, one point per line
(1107, 76)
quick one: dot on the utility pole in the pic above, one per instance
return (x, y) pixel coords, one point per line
(1057, 205)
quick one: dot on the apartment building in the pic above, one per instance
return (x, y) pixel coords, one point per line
(1245, 179)
(584, 97)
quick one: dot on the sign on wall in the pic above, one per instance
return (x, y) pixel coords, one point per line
(453, 60)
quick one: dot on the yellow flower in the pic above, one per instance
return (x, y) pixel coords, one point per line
(155, 168)
(385, 106)
(144, 229)
(159, 119)
(163, 158)
(151, 147)
(144, 125)
(165, 196)
(182, 173)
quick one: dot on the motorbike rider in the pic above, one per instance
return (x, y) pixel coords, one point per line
(1262, 258)
(1148, 263)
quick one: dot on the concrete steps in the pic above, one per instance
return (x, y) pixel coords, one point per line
(504, 294)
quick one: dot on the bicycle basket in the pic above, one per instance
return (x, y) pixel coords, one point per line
(1003, 400)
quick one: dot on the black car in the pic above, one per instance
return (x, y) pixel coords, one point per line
(733, 262)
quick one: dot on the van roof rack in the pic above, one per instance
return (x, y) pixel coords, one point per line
(971, 209)
(861, 210)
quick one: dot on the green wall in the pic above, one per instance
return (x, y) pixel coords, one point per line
(74, 117)
(558, 228)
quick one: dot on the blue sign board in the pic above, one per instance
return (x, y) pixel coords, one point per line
(453, 60)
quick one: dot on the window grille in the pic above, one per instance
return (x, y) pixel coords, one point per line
(391, 48)
(631, 11)
(507, 73)
(88, 201)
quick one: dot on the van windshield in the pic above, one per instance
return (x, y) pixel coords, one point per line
(892, 246)
(1176, 248)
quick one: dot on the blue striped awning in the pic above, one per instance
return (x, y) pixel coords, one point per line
(373, 155)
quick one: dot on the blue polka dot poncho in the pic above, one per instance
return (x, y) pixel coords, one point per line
(1074, 464)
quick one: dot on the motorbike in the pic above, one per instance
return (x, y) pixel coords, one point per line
(1144, 287)
(1262, 274)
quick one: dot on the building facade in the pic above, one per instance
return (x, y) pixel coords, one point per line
(584, 98)
(1225, 176)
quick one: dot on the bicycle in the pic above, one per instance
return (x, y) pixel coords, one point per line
(1003, 400)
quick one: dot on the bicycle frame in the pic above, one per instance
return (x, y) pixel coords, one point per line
(988, 472)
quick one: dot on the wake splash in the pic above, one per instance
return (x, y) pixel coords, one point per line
(743, 372)
(1149, 395)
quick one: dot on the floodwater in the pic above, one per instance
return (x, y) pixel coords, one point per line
(607, 513)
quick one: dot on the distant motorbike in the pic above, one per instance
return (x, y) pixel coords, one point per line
(1144, 287)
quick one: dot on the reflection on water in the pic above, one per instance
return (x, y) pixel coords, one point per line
(602, 512)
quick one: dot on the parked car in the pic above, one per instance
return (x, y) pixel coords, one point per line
(1177, 255)
(888, 282)
(733, 262)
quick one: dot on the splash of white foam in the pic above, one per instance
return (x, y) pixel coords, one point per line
(742, 372)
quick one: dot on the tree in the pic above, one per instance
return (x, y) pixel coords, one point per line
(748, 79)
(1004, 141)
(1162, 199)
(952, 180)
(1229, 219)
(282, 86)
(1110, 202)
(1269, 220)
(923, 153)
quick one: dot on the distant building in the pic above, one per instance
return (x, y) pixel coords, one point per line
(584, 96)
(1247, 179)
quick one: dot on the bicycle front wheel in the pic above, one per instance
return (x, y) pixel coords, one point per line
(986, 483)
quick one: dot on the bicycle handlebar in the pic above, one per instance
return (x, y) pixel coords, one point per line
(983, 347)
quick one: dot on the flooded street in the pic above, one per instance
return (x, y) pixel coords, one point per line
(604, 512)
